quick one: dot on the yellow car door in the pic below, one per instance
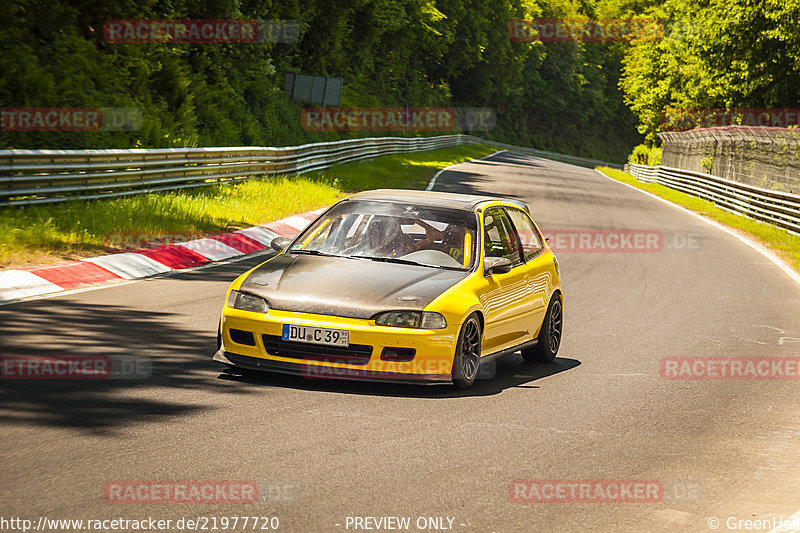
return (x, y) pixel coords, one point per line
(538, 266)
(505, 296)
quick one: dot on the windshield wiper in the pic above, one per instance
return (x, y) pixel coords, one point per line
(399, 261)
(389, 260)
(313, 252)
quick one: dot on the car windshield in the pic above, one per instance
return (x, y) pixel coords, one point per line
(393, 232)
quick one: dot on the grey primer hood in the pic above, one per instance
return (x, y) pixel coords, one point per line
(351, 288)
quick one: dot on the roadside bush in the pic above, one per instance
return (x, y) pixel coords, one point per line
(645, 155)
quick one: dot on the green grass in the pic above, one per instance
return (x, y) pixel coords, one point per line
(33, 235)
(399, 171)
(781, 242)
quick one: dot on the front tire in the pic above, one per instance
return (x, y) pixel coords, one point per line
(549, 339)
(467, 358)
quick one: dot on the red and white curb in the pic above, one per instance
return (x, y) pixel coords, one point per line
(37, 281)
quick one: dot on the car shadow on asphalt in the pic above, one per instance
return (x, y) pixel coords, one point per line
(510, 371)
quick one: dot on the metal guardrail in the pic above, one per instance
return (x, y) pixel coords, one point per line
(775, 207)
(48, 176)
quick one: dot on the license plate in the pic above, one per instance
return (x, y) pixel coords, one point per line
(313, 335)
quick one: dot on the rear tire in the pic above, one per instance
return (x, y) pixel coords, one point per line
(549, 339)
(467, 358)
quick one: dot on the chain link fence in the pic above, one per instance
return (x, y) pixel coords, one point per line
(764, 157)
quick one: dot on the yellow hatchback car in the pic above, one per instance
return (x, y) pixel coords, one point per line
(401, 286)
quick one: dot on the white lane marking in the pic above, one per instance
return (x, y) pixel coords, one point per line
(212, 249)
(757, 247)
(21, 283)
(129, 265)
(432, 183)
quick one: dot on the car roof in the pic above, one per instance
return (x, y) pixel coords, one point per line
(434, 198)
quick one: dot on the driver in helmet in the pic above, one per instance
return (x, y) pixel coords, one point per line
(453, 241)
(384, 237)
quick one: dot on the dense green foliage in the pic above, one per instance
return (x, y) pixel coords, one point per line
(561, 96)
(554, 96)
(643, 154)
(716, 54)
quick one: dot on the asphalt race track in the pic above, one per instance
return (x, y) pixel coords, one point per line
(602, 411)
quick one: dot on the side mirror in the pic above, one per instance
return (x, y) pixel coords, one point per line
(496, 265)
(279, 243)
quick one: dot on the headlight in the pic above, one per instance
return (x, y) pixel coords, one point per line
(433, 321)
(231, 301)
(411, 319)
(247, 302)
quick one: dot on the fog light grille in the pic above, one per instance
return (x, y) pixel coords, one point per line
(398, 355)
(242, 337)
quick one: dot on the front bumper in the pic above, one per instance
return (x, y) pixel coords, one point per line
(432, 362)
(327, 372)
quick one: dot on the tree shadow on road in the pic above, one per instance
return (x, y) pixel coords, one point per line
(178, 358)
(473, 181)
(511, 158)
(463, 182)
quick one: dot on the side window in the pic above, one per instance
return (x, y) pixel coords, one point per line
(499, 237)
(528, 236)
(320, 235)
